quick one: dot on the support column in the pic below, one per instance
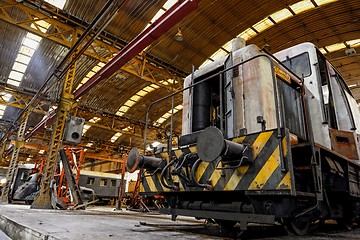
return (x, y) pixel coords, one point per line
(15, 157)
(2, 149)
(43, 200)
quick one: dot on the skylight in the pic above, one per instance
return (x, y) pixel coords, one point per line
(57, 3)
(281, 15)
(302, 6)
(322, 2)
(5, 96)
(95, 120)
(335, 47)
(86, 127)
(268, 22)
(2, 110)
(41, 151)
(168, 4)
(263, 25)
(339, 46)
(166, 116)
(90, 74)
(26, 51)
(115, 137)
(135, 98)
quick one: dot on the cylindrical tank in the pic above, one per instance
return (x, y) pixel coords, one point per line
(201, 106)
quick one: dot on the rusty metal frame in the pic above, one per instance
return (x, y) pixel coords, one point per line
(101, 49)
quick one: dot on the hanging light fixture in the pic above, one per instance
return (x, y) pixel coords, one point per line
(178, 36)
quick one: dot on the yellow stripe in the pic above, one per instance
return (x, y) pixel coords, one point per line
(165, 155)
(181, 187)
(239, 139)
(192, 149)
(285, 182)
(215, 176)
(284, 144)
(260, 142)
(266, 171)
(151, 184)
(142, 188)
(200, 170)
(178, 153)
(236, 177)
(158, 179)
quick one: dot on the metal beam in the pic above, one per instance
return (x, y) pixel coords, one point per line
(170, 18)
(101, 49)
(153, 32)
(21, 99)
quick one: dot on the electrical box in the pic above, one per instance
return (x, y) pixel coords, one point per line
(73, 130)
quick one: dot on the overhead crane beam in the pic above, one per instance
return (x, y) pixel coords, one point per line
(97, 156)
(169, 19)
(21, 99)
(101, 50)
(165, 22)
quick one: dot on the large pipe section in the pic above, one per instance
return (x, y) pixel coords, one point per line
(211, 145)
(135, 161)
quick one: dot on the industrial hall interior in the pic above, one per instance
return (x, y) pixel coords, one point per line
(188, 119)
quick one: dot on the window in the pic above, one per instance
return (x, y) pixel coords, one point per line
(299, 64)
(103, 182)
(24, 175)
(90, 181)
(292, 106)
(113, 183)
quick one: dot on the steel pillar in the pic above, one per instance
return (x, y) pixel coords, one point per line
(43, 200)
(2, 149)
(15, 157)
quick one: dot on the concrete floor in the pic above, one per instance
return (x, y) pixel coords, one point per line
(20, 222)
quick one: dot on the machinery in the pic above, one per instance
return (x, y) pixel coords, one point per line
(264, 140)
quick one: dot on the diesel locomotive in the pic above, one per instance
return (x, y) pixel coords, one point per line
(265, 139)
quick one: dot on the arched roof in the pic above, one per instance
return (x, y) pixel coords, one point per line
(120, 102)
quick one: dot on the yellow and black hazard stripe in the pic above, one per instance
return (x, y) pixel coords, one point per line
(264, 173)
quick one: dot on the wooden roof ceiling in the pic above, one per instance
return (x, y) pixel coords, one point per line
(205, 30)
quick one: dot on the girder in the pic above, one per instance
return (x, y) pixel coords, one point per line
(165, 22)
(20, 99)
(61, 33)
(148, 36)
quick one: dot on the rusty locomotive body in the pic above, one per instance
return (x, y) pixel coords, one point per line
(264, 140)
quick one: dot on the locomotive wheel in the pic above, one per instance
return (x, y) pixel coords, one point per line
(225, 224)
(297, 226)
